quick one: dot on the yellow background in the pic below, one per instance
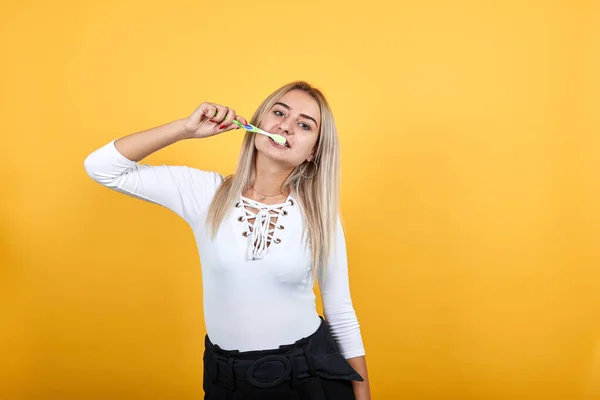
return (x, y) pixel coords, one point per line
(471, 195)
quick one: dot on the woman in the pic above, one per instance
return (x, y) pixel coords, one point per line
(264, 235)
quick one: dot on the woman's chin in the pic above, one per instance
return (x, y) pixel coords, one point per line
(277, 158)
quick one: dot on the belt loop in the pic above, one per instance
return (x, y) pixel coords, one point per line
(309, 359)
(213, 351)
(293, 372)
(216, 378)
(232, 371)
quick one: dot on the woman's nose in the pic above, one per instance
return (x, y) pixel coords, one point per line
(284, 127)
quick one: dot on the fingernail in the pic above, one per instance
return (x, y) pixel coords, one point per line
(212, 120)
(223, 126)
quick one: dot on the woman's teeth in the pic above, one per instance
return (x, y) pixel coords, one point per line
(282, 145)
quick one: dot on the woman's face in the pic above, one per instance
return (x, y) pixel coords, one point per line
(296, 116)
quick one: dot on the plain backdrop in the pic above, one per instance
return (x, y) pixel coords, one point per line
(471, 196)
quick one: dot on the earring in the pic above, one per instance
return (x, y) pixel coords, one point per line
(314, 173)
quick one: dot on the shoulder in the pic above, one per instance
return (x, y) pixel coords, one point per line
(205, 177)
(196, 187)
(187, 177)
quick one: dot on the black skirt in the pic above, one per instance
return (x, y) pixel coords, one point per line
(310, 369)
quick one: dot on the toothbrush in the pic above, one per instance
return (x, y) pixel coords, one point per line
(251, 128)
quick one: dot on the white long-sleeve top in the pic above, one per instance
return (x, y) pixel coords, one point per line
(257, 281)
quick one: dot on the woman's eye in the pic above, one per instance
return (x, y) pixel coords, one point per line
(305, 126)
(278, 113)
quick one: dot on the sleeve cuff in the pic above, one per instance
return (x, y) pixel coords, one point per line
(353, 353)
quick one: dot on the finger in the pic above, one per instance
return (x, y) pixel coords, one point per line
(241, 119)
(229, 118)
(209, 110)
(231, 127)
(220, 114)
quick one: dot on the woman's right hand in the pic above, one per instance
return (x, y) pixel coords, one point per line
(210, 119)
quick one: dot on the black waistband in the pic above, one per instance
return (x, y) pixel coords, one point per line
(315, 355)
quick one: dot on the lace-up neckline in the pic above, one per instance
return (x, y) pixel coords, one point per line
(262, 221)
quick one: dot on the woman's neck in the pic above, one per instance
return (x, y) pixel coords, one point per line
(268, 182)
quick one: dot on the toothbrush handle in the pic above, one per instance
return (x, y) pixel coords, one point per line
(235, 121)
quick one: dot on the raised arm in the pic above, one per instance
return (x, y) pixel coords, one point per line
(184, 190)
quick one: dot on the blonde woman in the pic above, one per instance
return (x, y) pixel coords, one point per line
(265, 235)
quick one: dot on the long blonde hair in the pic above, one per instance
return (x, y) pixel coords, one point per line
(316, 184)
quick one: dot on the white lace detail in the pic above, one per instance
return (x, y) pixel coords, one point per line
(263, 228)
